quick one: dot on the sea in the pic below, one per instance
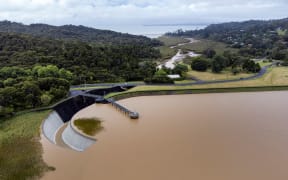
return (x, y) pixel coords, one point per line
(151, 31)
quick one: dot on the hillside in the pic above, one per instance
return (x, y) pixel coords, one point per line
(76, 33)
(253, 38)
(88, 63)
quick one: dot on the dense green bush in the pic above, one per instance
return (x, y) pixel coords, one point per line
(24, 88)
(199, 64)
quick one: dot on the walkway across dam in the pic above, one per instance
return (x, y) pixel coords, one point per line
(132, 114)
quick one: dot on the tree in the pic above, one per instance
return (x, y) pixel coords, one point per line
(209, 53)
(160, 77)
(5, 111)
(251, 66)
(9, 82)
(48, 71)
(65, 74)
(8, 96)
(32, 92)
(199, 64)
(148, 69)
(179, 68)
(46, 99)
(216, 66)
(219, 63)
(160, 72)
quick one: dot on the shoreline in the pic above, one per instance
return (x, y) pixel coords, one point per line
(125, 95)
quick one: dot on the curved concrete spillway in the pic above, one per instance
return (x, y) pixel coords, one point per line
(75, 140)
(51, 125)
(63, 113)
(71, 137)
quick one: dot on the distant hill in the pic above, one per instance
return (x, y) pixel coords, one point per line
(76, 33)
(255, 37)
(246, 27)
(93, 63)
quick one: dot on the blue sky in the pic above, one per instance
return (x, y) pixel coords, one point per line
(112, 12)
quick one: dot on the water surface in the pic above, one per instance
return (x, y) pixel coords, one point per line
(232, 136)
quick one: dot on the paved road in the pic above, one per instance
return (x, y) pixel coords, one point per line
(198, 82)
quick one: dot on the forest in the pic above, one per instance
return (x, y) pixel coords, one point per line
(39, 62)
(252, 38)
(89, 63)
(77, 33)
(27, 88)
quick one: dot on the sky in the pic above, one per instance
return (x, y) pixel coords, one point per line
(95, 13)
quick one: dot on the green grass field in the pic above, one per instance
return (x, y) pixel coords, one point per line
(172, 41)
(166, 51)
(203, 44)
(20, 149)
(264, 63)
(282, 32)
(277, 76)
(224, 75)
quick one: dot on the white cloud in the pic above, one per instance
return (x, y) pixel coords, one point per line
(92, 12)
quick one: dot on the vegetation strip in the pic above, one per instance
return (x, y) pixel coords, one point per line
(20, 149)
(124, 95)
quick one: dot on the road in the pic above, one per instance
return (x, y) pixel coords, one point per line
(198, 82)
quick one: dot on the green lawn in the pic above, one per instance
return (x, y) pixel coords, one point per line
(224, 75)
(264, 63)
(204, 44)
(172, 41)
(89, 126)
(166, 52)
(281, 32)
(20, 149)
(277, 76)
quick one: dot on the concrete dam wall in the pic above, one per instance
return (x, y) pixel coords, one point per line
(64, 111)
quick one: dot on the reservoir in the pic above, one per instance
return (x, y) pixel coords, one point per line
(202, 136)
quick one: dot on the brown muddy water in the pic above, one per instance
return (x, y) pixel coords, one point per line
(232, 136)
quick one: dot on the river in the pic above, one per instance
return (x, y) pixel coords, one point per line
(205, 137)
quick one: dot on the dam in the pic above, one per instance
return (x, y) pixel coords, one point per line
(64, 111)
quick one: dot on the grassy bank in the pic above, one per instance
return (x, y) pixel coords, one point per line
(275, 79)
(123, 95)
(172, 41)
(20, 149)
(208, 75)
(204, 44)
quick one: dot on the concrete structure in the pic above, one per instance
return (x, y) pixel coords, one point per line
(174, 76)
(51, 125)
(75, 140)
(65, 110)
(131, 114)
